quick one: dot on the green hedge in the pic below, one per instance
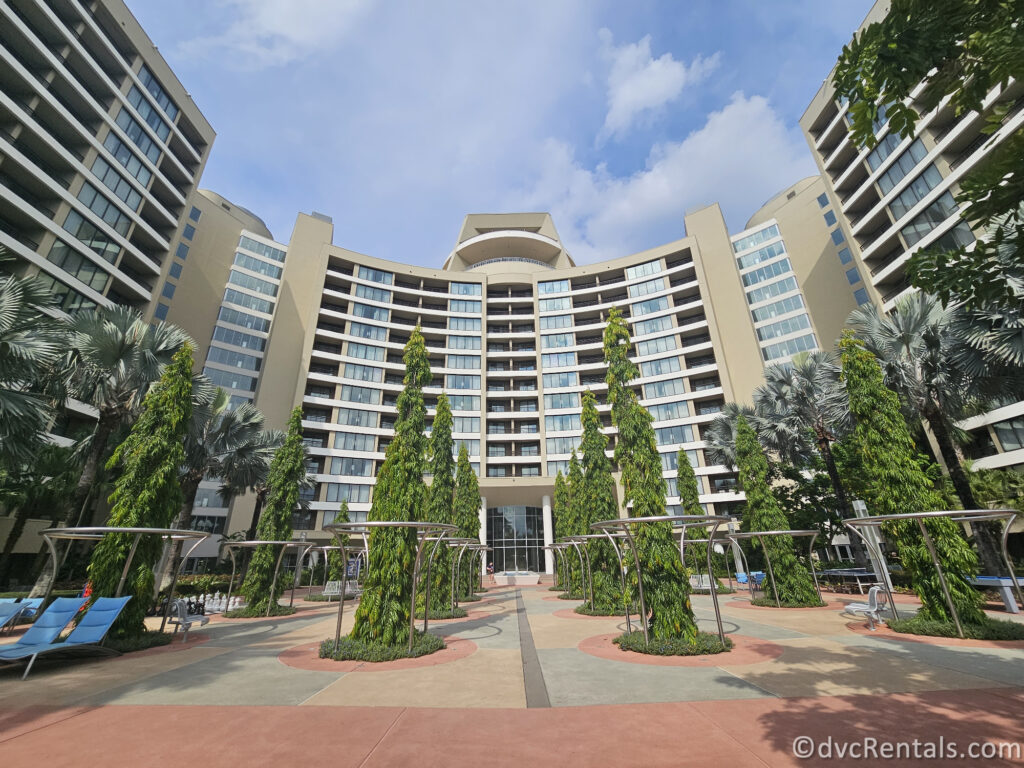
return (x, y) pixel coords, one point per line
(704, 645)
(247, 612)
(992, 629)
(357, 650)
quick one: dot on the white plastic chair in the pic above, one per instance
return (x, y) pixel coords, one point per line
(181, 618)
(873, 608)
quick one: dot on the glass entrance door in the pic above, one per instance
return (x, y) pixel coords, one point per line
(515, 535)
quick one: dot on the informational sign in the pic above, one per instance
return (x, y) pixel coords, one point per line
(352, 570)
(333, 588)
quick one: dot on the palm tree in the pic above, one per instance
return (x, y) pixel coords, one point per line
(31, 343)
(720, 435)
(922, 354)
(222, 443)
(39, 490)
(114, 357)
(805, 402)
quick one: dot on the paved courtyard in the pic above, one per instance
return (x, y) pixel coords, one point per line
(524, 681)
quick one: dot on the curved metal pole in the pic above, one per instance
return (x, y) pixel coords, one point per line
(53, 576)
(174, 581)
(415, 578)
(453, 586)
(298, 573)
(341, 598)
(881, 561)
(366, 559)
(639, 582)
(231, 583)
(271, 599)
(810, 564)
(746, 567)
(583, 575)
(458, 571)
(622, 577)
(771, 572)
(430, 562)
(942, 576)
(127, 564)
(590, 574)
(478, 556)
(566, 566)
(711, 582)
(1006, 558)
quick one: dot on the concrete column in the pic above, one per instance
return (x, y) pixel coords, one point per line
(483, 536)
(549, 535)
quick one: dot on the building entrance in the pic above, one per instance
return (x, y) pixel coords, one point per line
(515, 535)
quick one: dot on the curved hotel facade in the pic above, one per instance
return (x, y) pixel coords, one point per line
(514, 331)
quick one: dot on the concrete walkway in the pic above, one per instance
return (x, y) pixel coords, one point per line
(523, 679)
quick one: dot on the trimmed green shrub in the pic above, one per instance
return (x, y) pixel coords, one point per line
(258, 612)
(128, 644)
(704, 644)
(350, 649)
(990, 629)
(445, 613)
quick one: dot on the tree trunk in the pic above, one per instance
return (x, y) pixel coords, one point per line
(261, 496)
(17, 527)
(90, 469)
(190, 487)
(860, 555)
(986, 539)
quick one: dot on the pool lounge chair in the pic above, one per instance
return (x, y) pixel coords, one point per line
(13, 610)
(85, 639)
(47, 627)
(9, 613)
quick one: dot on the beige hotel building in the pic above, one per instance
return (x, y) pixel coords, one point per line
(101, 149)
(898, 197)
(514, 331)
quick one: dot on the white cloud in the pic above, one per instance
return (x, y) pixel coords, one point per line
(740, 157)
(639, 85)
(268, 33)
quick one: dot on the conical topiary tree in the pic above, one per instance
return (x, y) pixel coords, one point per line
(335, 565)
(147, 493)
(560, 512)
(893, 483)
(794, 583)
(400, 494)
(575, 524)
(440, 506)
(287, 472)
(598, 503)
(466, 515)
(666, 589)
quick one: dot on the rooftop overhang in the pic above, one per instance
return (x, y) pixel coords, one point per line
(508, 244)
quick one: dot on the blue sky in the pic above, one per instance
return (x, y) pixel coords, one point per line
(397, 119)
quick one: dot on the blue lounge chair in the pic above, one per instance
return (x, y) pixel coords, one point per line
(85, 639)
(30, 607)
(46, 628)
(9, 613)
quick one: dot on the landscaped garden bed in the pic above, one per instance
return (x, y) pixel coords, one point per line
(348, 649)
(705, 644)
